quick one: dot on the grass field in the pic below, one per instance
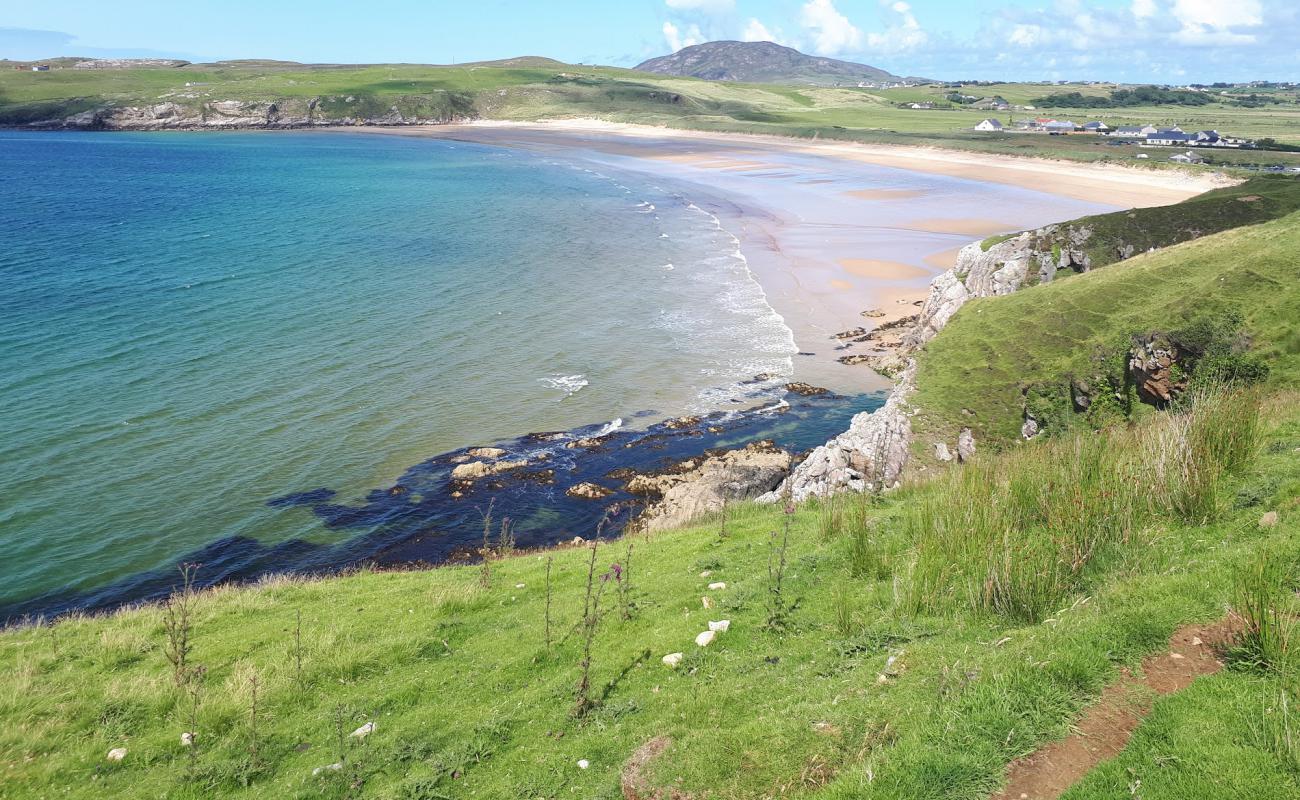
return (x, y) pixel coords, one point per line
(530, 89)
(468, 700)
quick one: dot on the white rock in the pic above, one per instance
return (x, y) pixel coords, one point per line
(583, 763)
(716, 586)
(707, 601)
(117, 754)
(706, 638)
(187, 739)
(720, 626)
(673, 659)
(706, 573)
(329, 768)
(364, 731)
(519, 585)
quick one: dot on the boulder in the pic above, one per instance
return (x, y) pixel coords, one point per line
(804, 389)
(720, 626)
(705, 485)
(470, 471)
(718, 586)
(116, 754)
(673, 659)
(941, 452)
(965, 445)
(486, 452)
(1268, 520)
(364, 731)
(588, 491)
(706, 638)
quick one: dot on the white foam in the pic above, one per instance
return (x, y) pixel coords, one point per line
(611, 426)
(569, 384)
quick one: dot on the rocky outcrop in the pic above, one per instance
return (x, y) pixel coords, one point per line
(870, 456)
(1154, 368)
(186, 111)
(703, 485)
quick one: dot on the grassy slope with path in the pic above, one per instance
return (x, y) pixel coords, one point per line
(531, 88)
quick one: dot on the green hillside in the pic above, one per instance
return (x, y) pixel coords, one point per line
(537, 88)
(996, 352)
(856, 686)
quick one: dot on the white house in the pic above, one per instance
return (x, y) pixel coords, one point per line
(1187, 158)
(989, 125)
(1095, 127)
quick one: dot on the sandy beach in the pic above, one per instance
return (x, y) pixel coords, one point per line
(844, 236)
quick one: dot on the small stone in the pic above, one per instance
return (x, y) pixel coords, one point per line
(673, 659)
(706, 638)
(117, 754)
(364, 731)
(1268, 520)
(519, 585)
(577, 540)
(1196, 641)
(583, 763)
(1177, 655)
(706, 601)
(329, 768)
(881, 679)
(187, 739)
(721, 626)
(713, 587)
(706, 573)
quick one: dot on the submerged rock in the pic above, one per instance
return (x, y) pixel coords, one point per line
(486, 452)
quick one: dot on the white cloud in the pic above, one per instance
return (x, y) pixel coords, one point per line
(1027, 35)
(903, 35)
(756, 31)
(1144, 9)
(831, 31)
(676, 39)
(1212, 22)
(707, 6)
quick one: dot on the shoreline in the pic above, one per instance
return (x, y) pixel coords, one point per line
(842, 238)
(1148, 187)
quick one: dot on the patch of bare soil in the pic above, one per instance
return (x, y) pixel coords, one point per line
(1106, 727)
(634, 781)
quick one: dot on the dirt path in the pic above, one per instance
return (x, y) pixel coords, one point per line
(1104, 730)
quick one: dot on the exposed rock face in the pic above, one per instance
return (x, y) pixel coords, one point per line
(187, 112)
(965, 445)
(869, 456)
(805, 389)
(699, 487)
(1153, 365)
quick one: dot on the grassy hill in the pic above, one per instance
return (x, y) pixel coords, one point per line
(762, 62)
(976, 374)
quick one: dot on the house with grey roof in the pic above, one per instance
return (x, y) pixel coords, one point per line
(989, 125)
(1171, 137)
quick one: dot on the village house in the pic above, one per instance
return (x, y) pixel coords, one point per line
(1187, 158)
(40, 67)
(1095, 127)
(989, 125)
(1171, 137)
(1059, 126)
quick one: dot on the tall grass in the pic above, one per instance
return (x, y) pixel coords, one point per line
(1017, 535)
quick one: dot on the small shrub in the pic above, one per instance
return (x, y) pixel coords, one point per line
(830, 518)
(845, 606)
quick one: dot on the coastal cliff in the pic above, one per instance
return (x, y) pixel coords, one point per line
(283, 113)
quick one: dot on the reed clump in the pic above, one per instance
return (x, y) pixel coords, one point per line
(1016, 535)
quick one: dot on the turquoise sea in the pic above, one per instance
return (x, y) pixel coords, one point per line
(195, 326)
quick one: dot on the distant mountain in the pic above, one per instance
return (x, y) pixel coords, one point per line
(763, 62)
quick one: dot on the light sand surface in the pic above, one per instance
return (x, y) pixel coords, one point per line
(1124, 186)
(885, 194)
(966, 227)
(881, 270)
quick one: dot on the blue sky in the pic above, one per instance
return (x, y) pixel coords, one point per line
(1166, 41)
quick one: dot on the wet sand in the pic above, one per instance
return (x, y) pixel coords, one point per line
(841, 236)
